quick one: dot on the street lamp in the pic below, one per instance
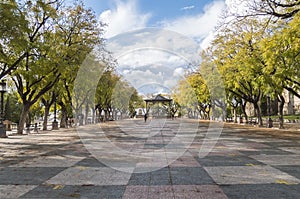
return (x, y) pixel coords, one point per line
(55, 123)
(2, 126)
(269, 122)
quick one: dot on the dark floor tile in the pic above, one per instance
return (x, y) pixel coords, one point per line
(27, 175)
(90, 162)
(293, 170)
(190, 176)
(68, 192)
(268, 151)
(262, 191)
(227, 161)
(160, 177)
(140, 179)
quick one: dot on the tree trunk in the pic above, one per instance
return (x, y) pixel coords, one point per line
(243, 104)
(258, 113)
(224, 114)
(281, 105)
(93, 116)
(25, 111)
(47, 110)
(86, 113)
(234, 114)
(105, 115)
(64, 116)
(101, 118)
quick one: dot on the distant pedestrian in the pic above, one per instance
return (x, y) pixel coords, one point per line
(145, 117)
(36, 127)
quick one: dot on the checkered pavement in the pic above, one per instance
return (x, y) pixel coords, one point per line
(57, 164)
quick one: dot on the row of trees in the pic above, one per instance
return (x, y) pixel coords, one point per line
(252, 58)
(42, 47)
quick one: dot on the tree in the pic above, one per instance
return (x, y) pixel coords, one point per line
(47, 100)
(13, 42)
(277, 9)
(55, 35)
(199, 85)
(13, 103)
(281, 52)
(283, 9)
(185, 95)
(239, 60)
(125, 98)
(215, 85)
(104, 93)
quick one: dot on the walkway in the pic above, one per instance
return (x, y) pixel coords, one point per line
(157, 159)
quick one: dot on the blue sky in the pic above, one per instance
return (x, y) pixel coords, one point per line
(160, 9)
(154, 41)
(193, 18)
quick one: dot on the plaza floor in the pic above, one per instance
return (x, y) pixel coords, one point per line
(157, 159)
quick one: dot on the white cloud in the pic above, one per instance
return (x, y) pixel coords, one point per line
(157, 55)
(188, 8)
(232, 7)
(198, 26)
(154, 38)
(124, 17)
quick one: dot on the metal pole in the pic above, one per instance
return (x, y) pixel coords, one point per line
(270, 122)
(55, 123)
(55, 110)
(2, 126)
(2, 107)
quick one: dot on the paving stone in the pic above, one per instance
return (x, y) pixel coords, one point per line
(90, 176)
(262, 191)
(27, 175)
(185, 161)
(278, 159)
(14, 191)
(71, 192)
(160, 177)
(295, 150)
(190, 176)
(249, 175)
(133, 192)
(198, 191)
(51, 161)
(269, 151)
(90, 162)
(158, 192)
(232, 160)
(293, 170)
(140, 179)
(283, 143)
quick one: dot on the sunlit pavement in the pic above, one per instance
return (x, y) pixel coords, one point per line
(243, 163)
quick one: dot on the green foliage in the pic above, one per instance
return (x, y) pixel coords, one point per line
(44, 42)
(13, 42)
(13, 107)
(281, 54)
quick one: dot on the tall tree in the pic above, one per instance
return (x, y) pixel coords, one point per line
(13, 42)
(60, 38)
(104, 92)
(239, 60)
(281, 52)
(283, 9)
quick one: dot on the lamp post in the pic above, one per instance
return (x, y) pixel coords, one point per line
(55, 123)
(2, 126)
(269, 122)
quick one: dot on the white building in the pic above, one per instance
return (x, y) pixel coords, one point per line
(292, 104)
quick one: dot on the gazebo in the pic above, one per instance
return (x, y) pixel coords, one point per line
(158, 99)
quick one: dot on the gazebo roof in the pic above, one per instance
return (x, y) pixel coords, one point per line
(158, 98)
